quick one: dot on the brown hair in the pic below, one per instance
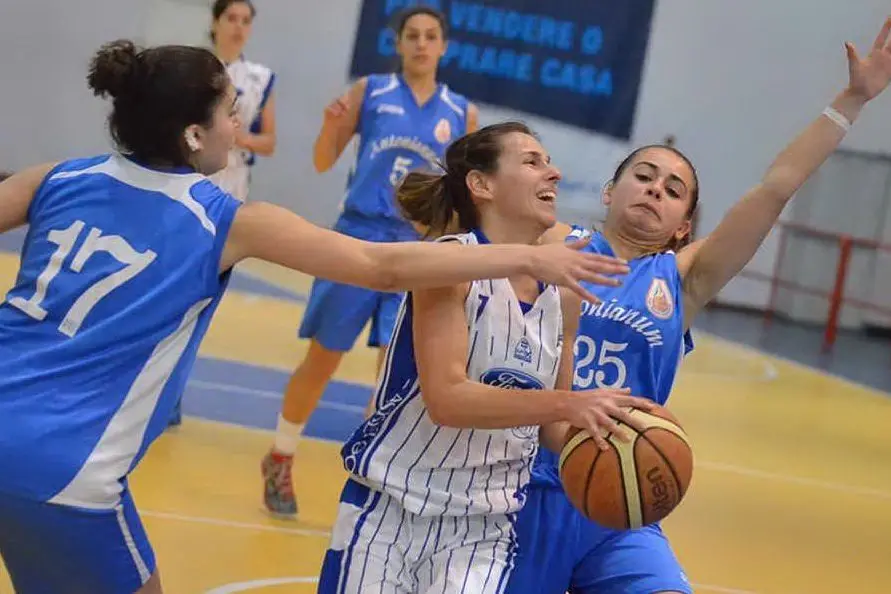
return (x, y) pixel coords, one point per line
(157, 93)
(674, 244)
(441, 201)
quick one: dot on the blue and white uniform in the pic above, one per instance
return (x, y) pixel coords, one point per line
(118, 281)
(396, 135)
(253, 85)
(432, 508)
(634, 339)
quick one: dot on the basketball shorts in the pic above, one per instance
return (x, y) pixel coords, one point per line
(337, 313)
(51, 548)
(559, 550)
(378, 546)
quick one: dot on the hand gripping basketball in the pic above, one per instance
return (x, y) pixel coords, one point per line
(633, 481)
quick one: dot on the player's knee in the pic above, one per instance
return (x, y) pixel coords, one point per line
(321, 362)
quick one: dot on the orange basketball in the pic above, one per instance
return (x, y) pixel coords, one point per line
(632, 484)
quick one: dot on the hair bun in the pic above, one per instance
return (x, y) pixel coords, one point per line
(112, 68)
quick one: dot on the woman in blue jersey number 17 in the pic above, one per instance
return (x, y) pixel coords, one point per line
(438, 471)
(126, 259)
(638, 335)
(404, 121)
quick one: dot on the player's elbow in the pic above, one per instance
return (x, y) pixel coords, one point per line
(321, 165)
(383, 271)
(442, 408)
(269, 146)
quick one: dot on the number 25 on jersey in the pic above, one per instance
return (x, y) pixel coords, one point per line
(608, 364)
(65, 240)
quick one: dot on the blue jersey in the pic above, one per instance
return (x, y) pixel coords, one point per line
(118, 281)
(396, 135)
(634, 338)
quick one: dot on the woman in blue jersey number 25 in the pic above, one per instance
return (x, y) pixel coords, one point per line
(638, 335)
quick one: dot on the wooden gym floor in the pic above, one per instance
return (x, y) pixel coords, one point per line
(790, 495)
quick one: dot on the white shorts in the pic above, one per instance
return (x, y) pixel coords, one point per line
(379, 547)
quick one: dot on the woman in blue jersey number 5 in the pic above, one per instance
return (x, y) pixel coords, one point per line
(126, 258)
(404, 121)
(638, 336)
(438, 471)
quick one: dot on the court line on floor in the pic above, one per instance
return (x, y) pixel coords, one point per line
(263, 583)
(254, 584)
(755, 351)
(234, 524)
(798, 480)
(270, 395)
(245, 586)
(711, 465)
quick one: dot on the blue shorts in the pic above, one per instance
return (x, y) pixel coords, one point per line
(53, 548)
(559, 550)
(336, 313)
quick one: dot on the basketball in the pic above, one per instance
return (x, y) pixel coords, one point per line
(631, 484)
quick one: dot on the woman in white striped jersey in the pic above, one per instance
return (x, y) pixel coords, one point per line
(440, 468)
(230, 31)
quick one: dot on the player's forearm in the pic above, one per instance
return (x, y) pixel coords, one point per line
(421, 265)
(745, 226)
(553, 435)
(262, 144)
(328, 146)
(478, 406)
(801, 158)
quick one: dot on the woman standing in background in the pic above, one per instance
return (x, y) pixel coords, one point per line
(405, 121)
(255, 105)
(230, 31)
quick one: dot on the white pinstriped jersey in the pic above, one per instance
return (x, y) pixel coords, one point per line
(436, 470)
(253, 83)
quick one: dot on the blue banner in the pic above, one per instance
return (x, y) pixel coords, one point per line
(575, 61)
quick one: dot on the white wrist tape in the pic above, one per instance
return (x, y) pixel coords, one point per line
(836, 116)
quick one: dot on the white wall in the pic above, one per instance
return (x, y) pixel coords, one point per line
(733, 81)
(46, 110)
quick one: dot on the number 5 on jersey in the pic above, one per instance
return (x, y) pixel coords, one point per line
(65, 240)
(400, 169)
(608, 364)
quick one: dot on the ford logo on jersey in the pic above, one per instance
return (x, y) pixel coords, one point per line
(510, 379)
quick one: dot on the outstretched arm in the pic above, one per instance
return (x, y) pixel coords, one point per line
(709, 264)
(268, 232)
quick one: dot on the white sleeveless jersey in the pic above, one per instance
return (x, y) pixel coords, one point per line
(436, 470)
(253, 83)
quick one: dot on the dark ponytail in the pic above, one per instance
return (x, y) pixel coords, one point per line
(441, 202)
(437, 202)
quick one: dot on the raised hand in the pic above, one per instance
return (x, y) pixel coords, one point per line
(869, 76)
(564, 264)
